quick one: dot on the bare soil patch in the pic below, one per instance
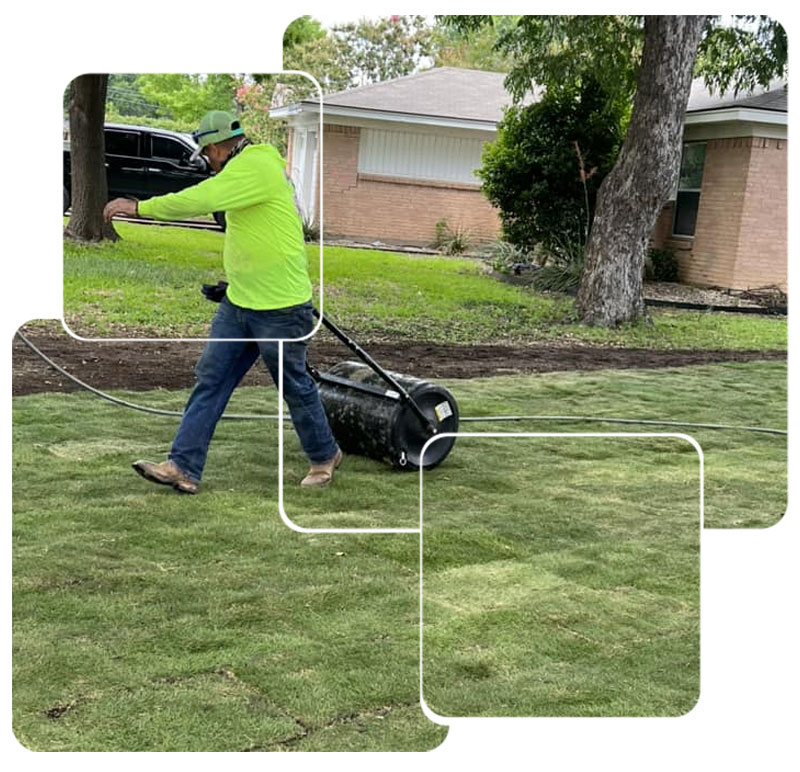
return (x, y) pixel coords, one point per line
(141, 366)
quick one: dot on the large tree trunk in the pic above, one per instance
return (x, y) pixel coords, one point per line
(631, 196)
(89, 194)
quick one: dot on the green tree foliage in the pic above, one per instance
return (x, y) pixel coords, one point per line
(472, 49)
(390, 47)
(559, 50)
(309, 47)
(358, 53)
(532, 173)
(738, 52)
(258, 94)
(325, 58)
(742, 56)
(253, 103)
(125, 97)
(186, 98)
(303, 29)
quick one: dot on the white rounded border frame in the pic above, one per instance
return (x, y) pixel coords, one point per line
(309, 335)
(466, 722)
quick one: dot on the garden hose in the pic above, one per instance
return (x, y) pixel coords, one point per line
(122, 402)
(475, 419)
(642, 421)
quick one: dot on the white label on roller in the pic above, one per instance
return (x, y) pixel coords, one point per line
(443, 410)
(392, 394)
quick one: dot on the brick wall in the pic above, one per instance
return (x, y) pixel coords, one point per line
(740, 237)
(763, 239)
(662, 237)
(372, 208)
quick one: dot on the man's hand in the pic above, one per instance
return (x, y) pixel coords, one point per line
(124, 206)
(215, 292)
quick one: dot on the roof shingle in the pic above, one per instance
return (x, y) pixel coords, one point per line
(443, 92)
(450, 92)
(776, 98)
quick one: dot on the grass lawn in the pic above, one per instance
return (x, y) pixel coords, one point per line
(147, 285)
(144, 620)
(564, 582)
(568, 584)
(745, 473)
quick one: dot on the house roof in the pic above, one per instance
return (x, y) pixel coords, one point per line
(775, 99)
(443, 92)
(449, 94)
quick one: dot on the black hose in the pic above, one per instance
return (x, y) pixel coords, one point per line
(122, 402)
(642, 421)
(476, 419)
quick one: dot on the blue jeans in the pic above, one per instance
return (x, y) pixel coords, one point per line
(222, 366)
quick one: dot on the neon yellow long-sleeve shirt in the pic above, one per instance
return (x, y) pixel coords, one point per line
(264, 255)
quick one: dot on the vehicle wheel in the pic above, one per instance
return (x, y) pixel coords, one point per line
(219, 217)
(66, 198)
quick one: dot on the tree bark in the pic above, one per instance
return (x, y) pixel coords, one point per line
(631, 196)
(89, 194)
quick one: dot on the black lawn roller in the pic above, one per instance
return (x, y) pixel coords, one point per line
(384, 415)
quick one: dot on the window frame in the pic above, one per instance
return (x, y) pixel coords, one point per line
(679, 190)
(187, 151)
(115, 131)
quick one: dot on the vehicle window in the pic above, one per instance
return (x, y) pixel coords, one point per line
(164, 147)
(122, 142)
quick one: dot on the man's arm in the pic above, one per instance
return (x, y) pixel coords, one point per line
(240, 185)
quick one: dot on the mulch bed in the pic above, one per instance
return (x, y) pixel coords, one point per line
(767, 300)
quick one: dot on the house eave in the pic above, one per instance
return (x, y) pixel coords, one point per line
(729, 114)
(384, 115)
(287, 111)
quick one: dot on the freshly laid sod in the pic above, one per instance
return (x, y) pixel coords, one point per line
(145, 620)
(745, 472)
(148, 285)
(577, 589)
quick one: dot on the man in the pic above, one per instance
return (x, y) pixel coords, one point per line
(268, 296)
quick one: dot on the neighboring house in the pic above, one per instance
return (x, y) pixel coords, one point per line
(727, 221)
(401, 155)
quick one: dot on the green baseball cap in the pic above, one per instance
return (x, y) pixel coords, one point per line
(217, 126)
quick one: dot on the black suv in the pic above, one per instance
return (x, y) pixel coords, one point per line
(142, 162)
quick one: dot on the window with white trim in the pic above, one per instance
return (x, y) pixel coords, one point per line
(434, 157)
(690, 180)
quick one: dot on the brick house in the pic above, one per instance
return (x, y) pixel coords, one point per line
(399, 156)
(727, 219)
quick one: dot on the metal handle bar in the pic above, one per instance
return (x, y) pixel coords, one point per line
(368, 360)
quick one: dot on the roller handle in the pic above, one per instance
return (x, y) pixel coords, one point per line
(370, 362)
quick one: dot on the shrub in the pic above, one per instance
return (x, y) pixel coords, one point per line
(532, 175)
(505, 257)
(310, 230)
(555, 270)
(451, 241)
(661, 265)
(563, 267)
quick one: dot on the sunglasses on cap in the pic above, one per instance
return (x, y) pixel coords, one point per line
(196, 135)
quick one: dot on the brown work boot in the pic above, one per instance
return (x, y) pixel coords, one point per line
(322, 474)
(165, 473)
